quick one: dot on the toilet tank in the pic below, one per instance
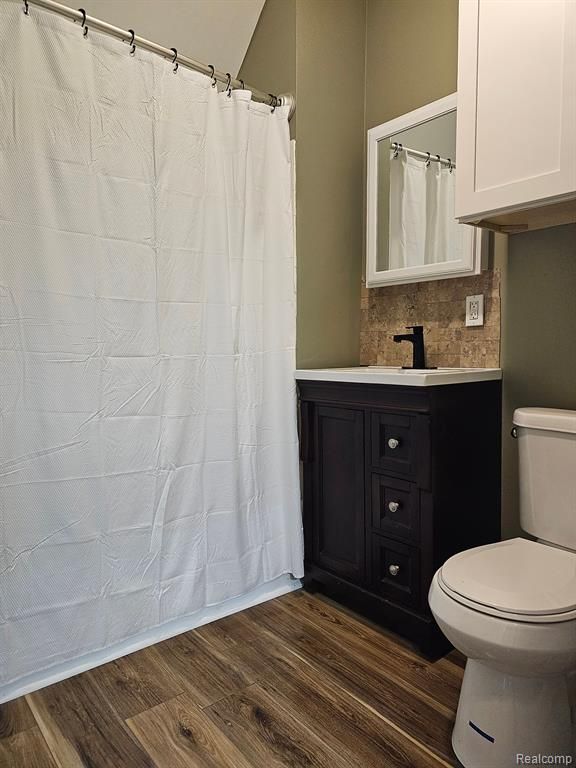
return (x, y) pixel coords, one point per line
(547, 473)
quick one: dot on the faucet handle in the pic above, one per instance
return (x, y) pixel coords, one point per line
(416, 328)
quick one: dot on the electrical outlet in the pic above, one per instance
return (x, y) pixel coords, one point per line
(475, 310)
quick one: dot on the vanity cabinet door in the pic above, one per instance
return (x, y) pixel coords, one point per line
(516, 124)
(338, 500)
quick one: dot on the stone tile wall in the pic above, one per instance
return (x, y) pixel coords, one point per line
(439, 306)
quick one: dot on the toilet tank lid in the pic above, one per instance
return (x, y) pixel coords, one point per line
(553, 419)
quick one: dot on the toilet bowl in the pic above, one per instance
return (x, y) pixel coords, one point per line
(510, 608)
(514, 698)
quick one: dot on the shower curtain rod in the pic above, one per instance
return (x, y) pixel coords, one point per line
(397, 147)
(128, 36)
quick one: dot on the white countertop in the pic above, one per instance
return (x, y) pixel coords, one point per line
(406, 377)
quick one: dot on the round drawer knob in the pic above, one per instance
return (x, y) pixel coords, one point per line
(393, 443)
(393, 570)
(394, 506)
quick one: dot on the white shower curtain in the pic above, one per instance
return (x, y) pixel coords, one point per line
(422, 227)
(148, 446)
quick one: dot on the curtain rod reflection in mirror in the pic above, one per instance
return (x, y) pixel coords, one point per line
(397, 148)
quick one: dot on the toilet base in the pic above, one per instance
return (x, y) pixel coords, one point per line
(501, 717)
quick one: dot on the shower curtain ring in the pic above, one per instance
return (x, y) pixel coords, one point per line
(26, 9)
(174, 60)
(83, 22)
(439, 160)
(228, 86)
(214, 82)
(132, 44)
(450, 166)
(243, 87)
(427, 163)
(273, 102)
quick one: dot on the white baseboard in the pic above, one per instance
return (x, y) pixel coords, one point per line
(279, 586)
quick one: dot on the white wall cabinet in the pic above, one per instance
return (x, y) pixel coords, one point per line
(516, 125)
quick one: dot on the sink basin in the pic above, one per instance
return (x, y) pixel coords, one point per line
(407, 377)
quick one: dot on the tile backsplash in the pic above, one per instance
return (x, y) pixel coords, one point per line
(440, 306)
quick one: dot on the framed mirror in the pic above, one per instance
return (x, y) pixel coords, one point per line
(412, 233)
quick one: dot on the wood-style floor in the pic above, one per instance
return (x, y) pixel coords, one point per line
(293, 682)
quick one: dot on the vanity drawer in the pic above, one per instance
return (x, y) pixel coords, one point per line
(395, 571)
(400, 445)
(395, 507)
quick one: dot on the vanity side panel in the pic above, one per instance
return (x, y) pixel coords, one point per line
(466, 466)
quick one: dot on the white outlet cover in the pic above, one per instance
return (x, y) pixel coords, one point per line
(475, 309)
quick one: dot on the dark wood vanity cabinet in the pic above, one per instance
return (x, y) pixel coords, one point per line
(396, 480)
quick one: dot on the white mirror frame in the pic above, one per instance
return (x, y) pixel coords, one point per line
(457, 268)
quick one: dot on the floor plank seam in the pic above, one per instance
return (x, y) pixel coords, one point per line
(396, 727)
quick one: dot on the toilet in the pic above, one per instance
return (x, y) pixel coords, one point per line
(510, 608)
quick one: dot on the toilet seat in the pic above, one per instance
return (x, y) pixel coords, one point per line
(519, 580)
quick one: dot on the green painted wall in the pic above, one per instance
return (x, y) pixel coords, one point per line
(350, 64)
(270, 61)
(315, 49)
(538, 339)
(329, 179)
(411, 55)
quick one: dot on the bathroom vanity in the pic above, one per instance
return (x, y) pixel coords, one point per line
(401, 469)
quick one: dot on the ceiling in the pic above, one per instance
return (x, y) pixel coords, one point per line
(214, 32)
